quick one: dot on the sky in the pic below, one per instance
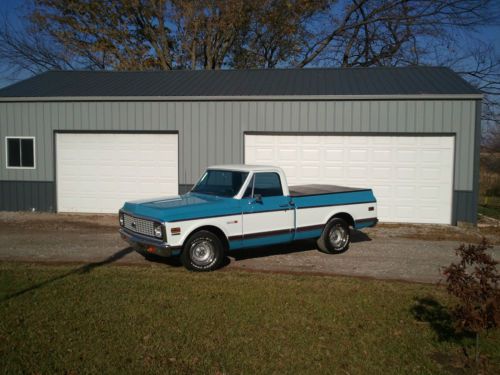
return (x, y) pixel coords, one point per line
(13, 8)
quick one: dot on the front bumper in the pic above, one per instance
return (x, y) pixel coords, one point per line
(148, 244)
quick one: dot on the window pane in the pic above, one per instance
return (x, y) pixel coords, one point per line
(13, 152)
(267, 185)
(223, 183)
(28, 159)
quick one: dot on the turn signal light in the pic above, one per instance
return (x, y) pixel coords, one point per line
(175, 231)
(150, 249)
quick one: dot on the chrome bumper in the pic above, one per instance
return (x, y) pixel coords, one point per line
(148, 244)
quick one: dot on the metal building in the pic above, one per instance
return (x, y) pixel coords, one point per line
(87, 141)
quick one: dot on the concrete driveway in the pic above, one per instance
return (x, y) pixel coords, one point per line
(411, 253)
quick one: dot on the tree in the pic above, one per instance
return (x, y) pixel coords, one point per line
(277, 32)
(474, 282)
(110, 34)
(208, 30)
(481, 67)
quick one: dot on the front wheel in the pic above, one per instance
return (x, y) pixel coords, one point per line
(202, 252)
(335, 238)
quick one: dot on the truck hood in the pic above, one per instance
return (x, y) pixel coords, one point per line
(183, 207)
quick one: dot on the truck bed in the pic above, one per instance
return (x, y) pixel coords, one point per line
(318, 189)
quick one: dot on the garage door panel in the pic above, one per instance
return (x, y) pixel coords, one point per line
(332, 172)
(334, 154)
(287, 154)
(309, 171)
(96, 173)
(412, 176)
(311, 155)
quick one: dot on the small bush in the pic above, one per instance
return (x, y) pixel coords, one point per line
(474, 282)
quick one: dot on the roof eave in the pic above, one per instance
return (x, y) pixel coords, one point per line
(240, 98)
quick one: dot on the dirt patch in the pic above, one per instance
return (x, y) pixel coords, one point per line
(43, 222)
(435, 232)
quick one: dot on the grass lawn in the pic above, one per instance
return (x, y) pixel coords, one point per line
(118, 319)
(490, 211)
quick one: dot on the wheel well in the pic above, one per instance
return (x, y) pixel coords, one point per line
(215, 230)
(346, 217)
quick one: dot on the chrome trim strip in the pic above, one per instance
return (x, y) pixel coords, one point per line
(138, 239)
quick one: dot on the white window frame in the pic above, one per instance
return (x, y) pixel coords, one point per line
(7, 152)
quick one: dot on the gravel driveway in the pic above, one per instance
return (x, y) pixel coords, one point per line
(385, 252)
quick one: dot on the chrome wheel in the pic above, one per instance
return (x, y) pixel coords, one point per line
(338, 236)
(202, 253)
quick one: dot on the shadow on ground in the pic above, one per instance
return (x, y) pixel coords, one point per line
(289, 248)
(427, 309)
(80, 270)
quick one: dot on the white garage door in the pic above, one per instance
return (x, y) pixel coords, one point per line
(412, 176)
(99, 172)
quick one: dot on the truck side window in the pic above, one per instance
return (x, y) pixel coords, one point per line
(267, 184)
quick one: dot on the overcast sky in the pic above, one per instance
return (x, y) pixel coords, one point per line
(13, 8)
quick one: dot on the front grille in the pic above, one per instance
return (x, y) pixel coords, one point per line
(137, 225)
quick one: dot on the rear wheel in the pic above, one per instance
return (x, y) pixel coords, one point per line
(335, 238)
(202, 252)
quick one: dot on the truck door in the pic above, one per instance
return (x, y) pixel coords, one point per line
(268, 216)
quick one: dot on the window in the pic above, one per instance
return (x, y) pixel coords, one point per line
(222, 183)
(265, 184)
(20, 152)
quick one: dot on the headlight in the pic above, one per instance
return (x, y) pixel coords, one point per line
(121, 219)
(158, 231)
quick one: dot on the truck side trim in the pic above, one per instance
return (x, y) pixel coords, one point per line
(265, 211)
(333, 205)
(310, 227)
(261, 234)
(275, 232)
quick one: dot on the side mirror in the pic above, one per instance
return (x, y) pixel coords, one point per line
(258, 198)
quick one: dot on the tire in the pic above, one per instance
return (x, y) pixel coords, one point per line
(202, 252)
(335, 238)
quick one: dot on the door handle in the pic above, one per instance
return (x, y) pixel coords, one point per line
(284, 205)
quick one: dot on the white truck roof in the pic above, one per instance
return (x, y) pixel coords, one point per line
(246, 168)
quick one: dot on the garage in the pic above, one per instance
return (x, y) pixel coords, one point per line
(86, 141)
(97, 172)
(412, 176)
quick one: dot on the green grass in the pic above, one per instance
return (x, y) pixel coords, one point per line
(490, 211)
(158, 319)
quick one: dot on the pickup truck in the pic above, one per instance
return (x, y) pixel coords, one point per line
(242, 206)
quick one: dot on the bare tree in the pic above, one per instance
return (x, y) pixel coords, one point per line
(277, 32)
(25, 50)
(480, 66)
(388, 32)
(208, 30)
(111, 34)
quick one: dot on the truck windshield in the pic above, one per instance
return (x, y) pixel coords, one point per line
(220, 182)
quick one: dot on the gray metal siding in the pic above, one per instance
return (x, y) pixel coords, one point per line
(212, 132)
(465, 206)
(27, 196)
(465, 203)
